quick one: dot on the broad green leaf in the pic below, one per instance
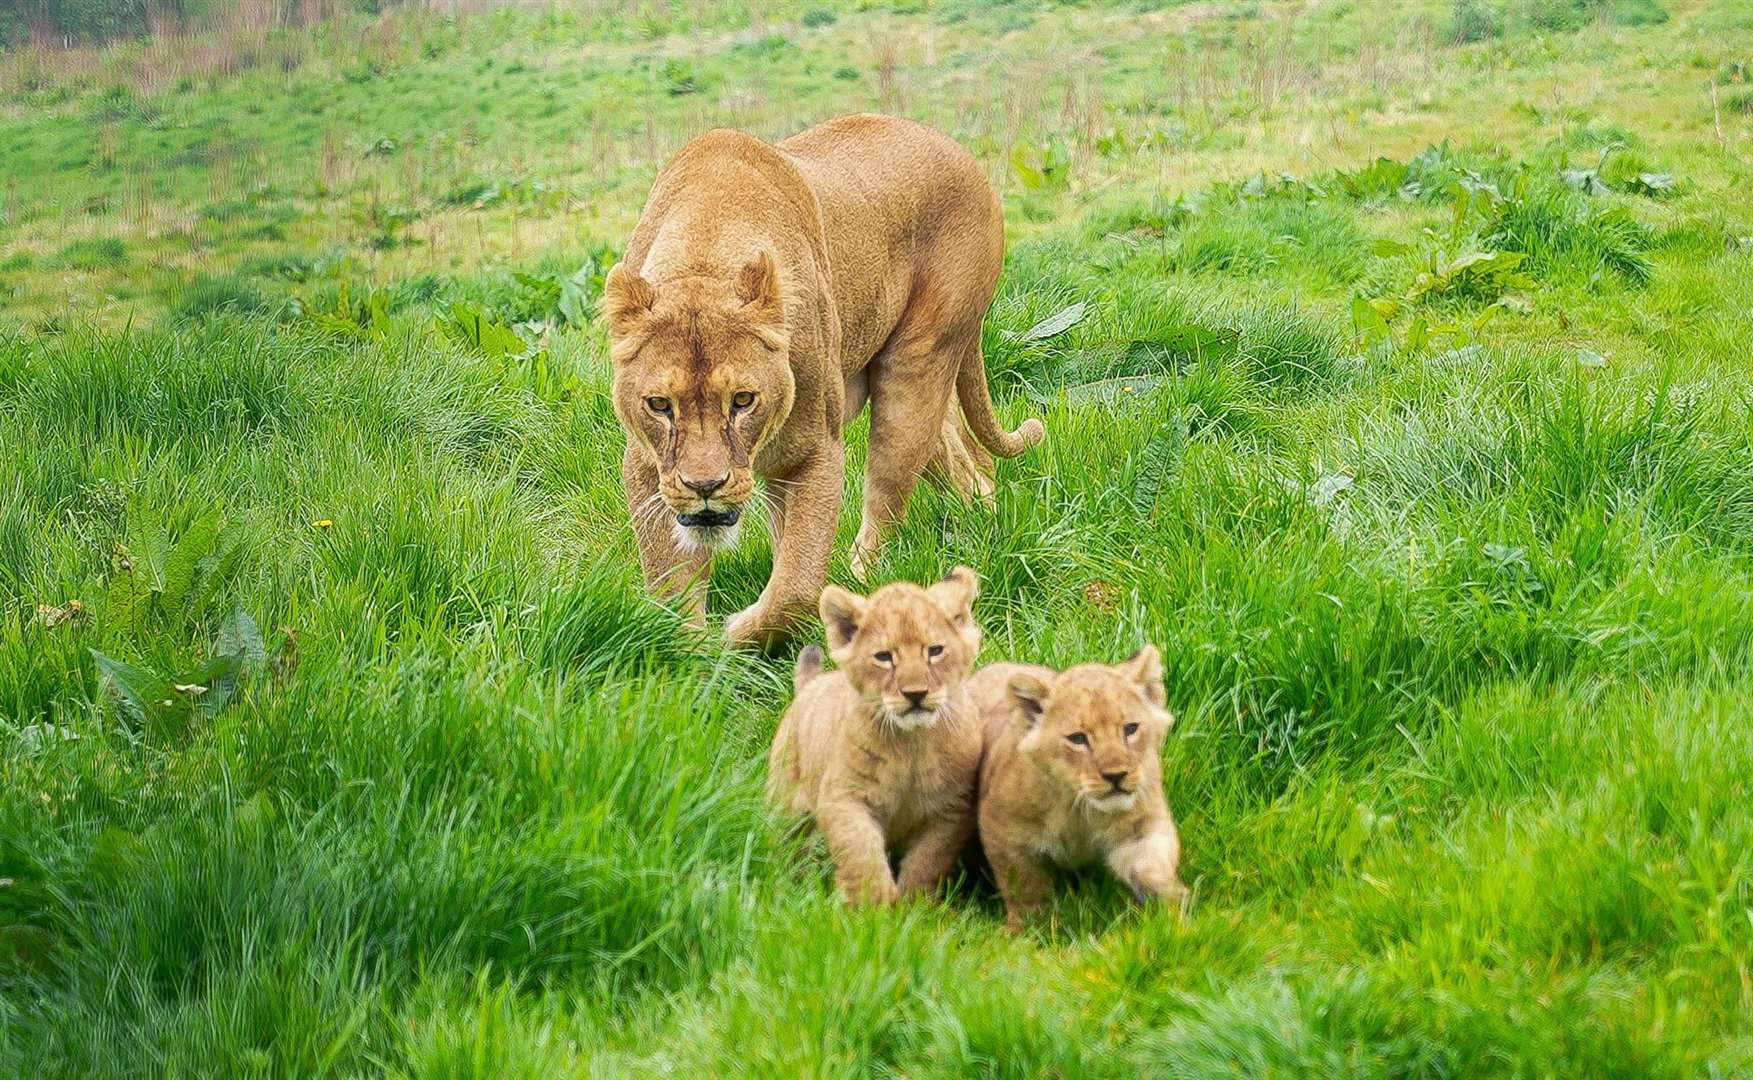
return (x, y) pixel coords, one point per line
(1418, 334)
(1371, 324)
(139, 693)
(1055, 324)
(239, 636)
(1328, 488)
(1026, 173)
(219, 676)
(1651, 184)
(1183, 341)
(195, 544)
(1162, 461)
(1108, 391)
(126, 594)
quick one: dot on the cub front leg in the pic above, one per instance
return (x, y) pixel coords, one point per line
(1149, 866)
(861, 856)
(809, 516)
(1022, 881)
(670, 571)
(934, 852)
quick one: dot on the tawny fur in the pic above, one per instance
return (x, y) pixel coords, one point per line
(852, 262)
(889, 784)
(1045, 803)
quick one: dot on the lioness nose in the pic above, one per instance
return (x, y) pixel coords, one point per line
(915, 697)
(704, 488)
(1115, 778)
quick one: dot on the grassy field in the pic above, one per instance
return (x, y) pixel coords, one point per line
(1407, 408)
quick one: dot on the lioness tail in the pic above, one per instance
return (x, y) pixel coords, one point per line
(977, 409)
(809, 665)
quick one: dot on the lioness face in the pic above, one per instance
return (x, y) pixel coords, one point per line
(905, 648)
(1096, 728)
(702, 378)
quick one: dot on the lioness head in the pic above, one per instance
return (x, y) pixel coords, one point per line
(702, 378)
(904, 648)
(1096, 728)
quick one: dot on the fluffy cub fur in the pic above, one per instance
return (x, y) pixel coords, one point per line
(1071, 776)
(884, 751)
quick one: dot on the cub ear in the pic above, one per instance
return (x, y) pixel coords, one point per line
(956, 593)
(1029, 693)
(842, 614)
(627, 299)
(1145, 667)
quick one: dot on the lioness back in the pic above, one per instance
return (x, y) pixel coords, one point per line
(905, 207)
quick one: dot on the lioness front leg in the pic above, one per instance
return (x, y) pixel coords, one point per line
(861, 857)
(810, 516)
(669, 570)
(1149, 866)
(934, 852)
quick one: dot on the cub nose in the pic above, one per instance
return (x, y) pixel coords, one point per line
(1115, 779)
(916, 698)
(704, 488)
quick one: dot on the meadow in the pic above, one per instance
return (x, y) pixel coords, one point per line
(1395, 367)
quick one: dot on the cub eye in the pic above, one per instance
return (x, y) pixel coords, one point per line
(1078, 738)
(660, 405)
(884, 657)
(742, 399)
(935, 651)
(1132, 728)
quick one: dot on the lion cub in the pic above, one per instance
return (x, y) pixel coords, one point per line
(1071, 776)
(884, 751)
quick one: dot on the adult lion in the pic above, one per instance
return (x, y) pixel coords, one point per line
(767, 292)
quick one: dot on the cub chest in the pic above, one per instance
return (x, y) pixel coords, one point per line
(1070, 840)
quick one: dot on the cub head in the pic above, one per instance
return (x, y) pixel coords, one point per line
(905, 648)
(1096, 729)
(702, 378)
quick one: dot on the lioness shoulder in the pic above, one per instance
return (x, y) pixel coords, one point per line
(883, 751)
(1071, 776)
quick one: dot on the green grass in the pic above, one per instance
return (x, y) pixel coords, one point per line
(1456, 607)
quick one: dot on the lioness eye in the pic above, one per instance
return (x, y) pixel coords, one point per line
(1078, 738)
(934, 651)
(884, 657)
(1132, 729)
(658, 404)
(742, 399)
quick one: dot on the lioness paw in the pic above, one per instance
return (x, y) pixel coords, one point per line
(747, 627)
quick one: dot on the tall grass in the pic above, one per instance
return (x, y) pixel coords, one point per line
(1456, 627)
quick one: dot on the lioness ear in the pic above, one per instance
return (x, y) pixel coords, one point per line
(956, 593)
(759, 289)
(842, 613)
(1029, 693)
(1145, 667)
(627, 299)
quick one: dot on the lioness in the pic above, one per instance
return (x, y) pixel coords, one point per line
(1071, 776)
(884, 751)
(767, 292)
